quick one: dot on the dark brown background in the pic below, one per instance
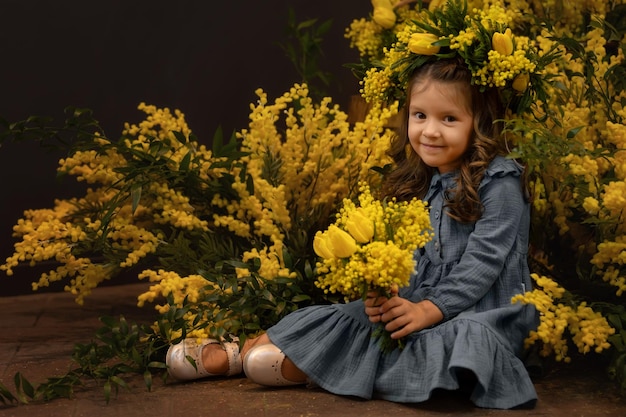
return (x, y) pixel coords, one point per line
(203, 57)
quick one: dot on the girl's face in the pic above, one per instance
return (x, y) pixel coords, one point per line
(440, 124)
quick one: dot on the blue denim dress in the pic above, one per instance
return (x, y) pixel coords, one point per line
(471, 272)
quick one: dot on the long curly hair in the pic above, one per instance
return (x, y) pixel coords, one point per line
(411, 177)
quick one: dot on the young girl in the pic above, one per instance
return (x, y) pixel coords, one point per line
(456, 316)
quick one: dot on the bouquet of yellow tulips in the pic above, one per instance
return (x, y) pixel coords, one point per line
(370, 246)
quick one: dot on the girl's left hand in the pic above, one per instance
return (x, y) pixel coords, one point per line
(373, 303)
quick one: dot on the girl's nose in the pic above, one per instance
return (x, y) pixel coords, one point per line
(431, 130)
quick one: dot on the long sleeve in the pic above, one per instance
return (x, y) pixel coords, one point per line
(470, 259)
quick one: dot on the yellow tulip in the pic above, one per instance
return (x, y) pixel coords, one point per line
(320, 246)
(343, 245)
(384, 17)
(422, 44)
(503, 42)
(360, 227)
(520, 83)
(382, 3)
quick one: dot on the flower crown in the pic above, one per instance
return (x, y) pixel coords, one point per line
(483, 39)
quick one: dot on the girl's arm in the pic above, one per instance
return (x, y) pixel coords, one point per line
(487, 249)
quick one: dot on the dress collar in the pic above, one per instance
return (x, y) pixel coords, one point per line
(499, 167)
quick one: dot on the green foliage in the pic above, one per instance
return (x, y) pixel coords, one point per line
(78, 129)
(241, 305)
(248, 305)
(121, 350)
(304, 50)
(616, 315)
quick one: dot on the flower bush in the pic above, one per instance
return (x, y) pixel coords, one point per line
(573, 153)
(588, 328)
(227, 231)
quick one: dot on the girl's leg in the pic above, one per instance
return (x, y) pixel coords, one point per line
(215, 361)
(292, 373)
(214, 357)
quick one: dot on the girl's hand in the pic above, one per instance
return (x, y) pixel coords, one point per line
(402, 316)
(373, 303)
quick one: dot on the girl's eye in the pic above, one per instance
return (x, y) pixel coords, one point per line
(449, 119)
(419, 115)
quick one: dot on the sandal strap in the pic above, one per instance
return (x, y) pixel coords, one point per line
(235, 365)
(196, 355)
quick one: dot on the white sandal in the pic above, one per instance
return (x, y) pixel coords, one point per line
(184, 359)
(263, 365)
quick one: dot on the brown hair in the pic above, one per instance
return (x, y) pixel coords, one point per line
(411, 176)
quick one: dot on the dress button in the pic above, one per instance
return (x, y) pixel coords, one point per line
(437, 214)
(437, 245)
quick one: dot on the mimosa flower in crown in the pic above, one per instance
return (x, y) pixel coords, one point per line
(370, 246)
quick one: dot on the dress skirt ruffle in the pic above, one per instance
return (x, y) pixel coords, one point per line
(333, 346)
